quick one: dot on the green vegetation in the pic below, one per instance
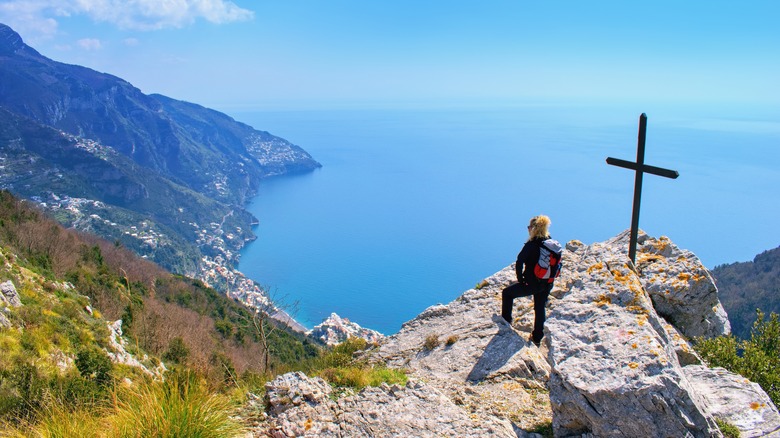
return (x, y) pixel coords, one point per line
(54, 355)
(745, 287)
(181, 406)
(56, 378)
(341, 369)
(757, 359)
(544, 429)
(728, 429)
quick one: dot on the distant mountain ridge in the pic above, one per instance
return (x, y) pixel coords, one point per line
(200, 148)
(165, 178)
(747, 286)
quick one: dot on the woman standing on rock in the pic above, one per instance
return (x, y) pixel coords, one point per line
(532, 278)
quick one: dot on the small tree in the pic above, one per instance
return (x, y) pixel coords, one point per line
(757, 359)
(94, 364)
(177, 351)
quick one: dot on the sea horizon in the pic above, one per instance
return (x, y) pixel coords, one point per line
(415, 206)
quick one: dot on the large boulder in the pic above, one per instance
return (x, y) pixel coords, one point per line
(682, 289)
(736, 400)
(615, 371)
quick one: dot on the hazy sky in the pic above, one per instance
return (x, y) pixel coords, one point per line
(295, 53)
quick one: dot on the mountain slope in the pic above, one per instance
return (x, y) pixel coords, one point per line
(52, 167)
(200, 148)
(165, 178)
(747, 286)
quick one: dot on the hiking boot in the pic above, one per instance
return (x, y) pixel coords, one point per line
(531, 340)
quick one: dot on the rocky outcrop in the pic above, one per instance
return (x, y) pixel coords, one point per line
(302, 407)
(119, 354)
(8, 297)
(613, 365)
(736, 400)
(615, 371)
(335, 330)
(8, 294)
(682, 289)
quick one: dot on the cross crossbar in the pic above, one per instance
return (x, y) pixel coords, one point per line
(673, 174)
(640, 168)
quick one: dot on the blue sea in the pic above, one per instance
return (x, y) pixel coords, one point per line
(414, 206)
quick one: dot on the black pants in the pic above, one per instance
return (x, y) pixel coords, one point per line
(540, 292)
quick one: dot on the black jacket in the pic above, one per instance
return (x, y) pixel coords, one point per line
(526, 260)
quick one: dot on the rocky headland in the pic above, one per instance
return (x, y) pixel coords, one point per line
(616, 361)
(335, 330)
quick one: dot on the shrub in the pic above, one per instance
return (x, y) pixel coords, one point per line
(177, 351)
(757, 359)
(181, 406)
(94, 364)
(451, 340)
(431, 342)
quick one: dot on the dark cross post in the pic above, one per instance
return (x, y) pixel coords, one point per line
(640, 167)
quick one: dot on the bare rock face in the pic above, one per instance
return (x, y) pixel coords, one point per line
(736, 400)
(9, 295)
(302, 408)
(681, 288)
(615, 371)
(467, 349)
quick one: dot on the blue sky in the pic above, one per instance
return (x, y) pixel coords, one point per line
(295, 53)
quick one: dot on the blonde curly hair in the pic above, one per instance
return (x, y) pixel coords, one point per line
(538, 227)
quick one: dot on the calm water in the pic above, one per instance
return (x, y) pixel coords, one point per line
(412, 208)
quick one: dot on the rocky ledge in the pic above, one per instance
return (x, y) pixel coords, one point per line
(615, 361)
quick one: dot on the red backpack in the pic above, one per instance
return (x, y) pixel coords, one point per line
(548, 267)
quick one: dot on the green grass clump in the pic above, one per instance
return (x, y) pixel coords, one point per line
(544, 429)
(358, 377)
(59, 421)
(340, 368)
(182, 406)
(728, 429)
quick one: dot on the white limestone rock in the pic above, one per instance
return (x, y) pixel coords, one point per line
(736, 400)
(294, 389)
(682, 289)
(301, 408)
(9, 295)
(480, 362)
(118, 353)
(335, 330)
(615, 371)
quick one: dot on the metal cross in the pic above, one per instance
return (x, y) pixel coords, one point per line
(640, 167)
